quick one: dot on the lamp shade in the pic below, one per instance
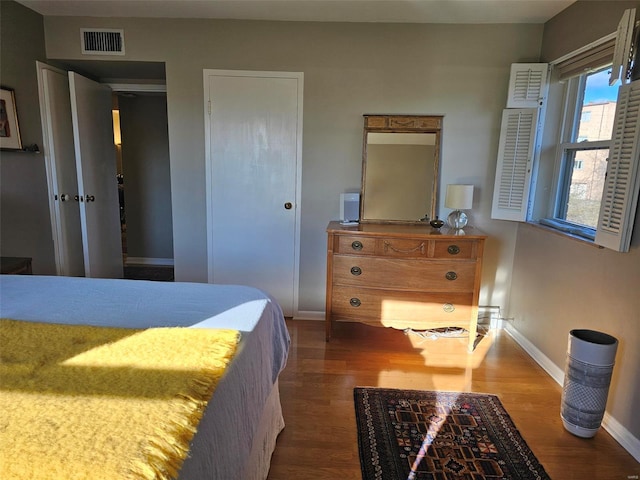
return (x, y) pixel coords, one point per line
(459, 197)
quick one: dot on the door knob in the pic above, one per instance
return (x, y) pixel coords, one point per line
(64, 197)
(288, 205)
(90, 198)
(77, 198)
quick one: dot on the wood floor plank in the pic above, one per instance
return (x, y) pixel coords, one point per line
(319, 441)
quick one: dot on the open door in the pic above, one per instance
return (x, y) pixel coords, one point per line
(96, 172)
(55, 108)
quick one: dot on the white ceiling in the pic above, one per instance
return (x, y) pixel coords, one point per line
(396, 11)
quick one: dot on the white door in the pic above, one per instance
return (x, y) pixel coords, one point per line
(96, 172)
(55, 110)
(254, 141)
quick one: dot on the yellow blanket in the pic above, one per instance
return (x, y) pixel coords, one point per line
(80, 402)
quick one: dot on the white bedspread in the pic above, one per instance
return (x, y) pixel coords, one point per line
(225, 440)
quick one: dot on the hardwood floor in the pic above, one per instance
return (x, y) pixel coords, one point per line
(319, 440)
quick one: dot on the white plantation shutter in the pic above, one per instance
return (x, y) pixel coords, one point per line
(527, 85)
(622, 52)
(620, 196)
(515, 164)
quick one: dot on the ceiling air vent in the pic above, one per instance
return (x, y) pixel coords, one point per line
(102, 41)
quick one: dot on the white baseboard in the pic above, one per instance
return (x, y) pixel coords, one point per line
(630, 443)
(149, 261)
(308, 315)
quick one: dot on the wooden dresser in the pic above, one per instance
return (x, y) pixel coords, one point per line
(403, 276)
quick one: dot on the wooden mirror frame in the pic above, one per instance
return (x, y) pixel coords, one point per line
(374, 123)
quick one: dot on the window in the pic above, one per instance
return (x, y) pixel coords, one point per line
(599, 176)
(590, 111)
(597, 179)
(597, 169)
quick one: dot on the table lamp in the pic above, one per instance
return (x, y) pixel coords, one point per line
(458, 197)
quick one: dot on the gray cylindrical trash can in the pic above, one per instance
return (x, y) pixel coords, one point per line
(590, 359)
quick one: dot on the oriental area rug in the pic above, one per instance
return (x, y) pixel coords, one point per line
(423, 435)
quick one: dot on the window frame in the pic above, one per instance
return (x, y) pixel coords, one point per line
(565, 157)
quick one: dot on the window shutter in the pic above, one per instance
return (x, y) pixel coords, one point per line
(527, 85)
(620, 196)
(515, 162)
(622, 52)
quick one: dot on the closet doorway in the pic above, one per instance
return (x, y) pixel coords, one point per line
(144, 183)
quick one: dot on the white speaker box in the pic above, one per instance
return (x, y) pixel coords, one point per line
(349, 207)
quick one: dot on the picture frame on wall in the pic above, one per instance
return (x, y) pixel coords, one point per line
(9, 129)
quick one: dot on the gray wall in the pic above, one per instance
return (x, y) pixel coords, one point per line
(25, 225)
(460, 71)
(147, 176)
(580, 24)
(561, 284)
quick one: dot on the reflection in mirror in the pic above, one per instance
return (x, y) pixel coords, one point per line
(400, 168)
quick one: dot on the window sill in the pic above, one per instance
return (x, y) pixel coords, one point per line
(564, 234)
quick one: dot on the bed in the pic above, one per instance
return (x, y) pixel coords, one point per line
(237, 433)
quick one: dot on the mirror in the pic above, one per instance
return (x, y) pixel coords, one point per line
(400, 161)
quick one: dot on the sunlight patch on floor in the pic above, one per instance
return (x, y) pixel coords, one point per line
(452, 351)
(450, 366)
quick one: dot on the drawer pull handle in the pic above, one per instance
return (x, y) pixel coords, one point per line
(448, 307)
(356, 245)
(388, 246)
(355, 302)
(356, 271)
(451, 275)
(453, 249)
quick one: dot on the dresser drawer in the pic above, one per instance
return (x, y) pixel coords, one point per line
(404, 247)
(404, 274)
(410, 308)
(454, 249)
(356, 245)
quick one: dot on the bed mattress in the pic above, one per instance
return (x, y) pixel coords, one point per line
(237, 433)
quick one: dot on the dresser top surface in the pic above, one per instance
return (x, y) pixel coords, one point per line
(384, 229)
